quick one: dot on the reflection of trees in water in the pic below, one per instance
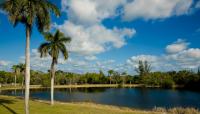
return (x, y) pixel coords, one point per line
(144, 93)
(85, 90)
(92, 90)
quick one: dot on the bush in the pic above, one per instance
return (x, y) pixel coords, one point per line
(167, 83)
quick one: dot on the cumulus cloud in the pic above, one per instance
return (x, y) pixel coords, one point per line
(94, 39)
(181, 58)
(4, 63)
(89, 12)
(189, 58)
(90, 58)
(155, 61)
(76, 63)
(155, 9)
(177, 46)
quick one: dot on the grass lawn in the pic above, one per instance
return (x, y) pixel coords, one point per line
(14, 105)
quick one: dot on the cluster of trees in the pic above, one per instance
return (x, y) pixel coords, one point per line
(67, 78)
(186, 78)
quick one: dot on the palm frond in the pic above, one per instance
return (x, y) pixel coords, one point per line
(44, 49)
(63, 50)
(48, 36)
(65, 40)
(55, 45)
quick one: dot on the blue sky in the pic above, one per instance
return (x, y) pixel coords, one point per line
(114, 34)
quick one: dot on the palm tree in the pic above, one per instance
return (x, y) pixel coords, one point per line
(110, 73)
(124, 75)
(53, 46)
(16, 71)
(27, 12)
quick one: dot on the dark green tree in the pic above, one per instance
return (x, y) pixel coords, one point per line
(143, 68)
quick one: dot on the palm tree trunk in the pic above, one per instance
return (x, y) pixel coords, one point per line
(110, 79)
(23, 81)
(52, 80)
(15, 80)
(27, 70)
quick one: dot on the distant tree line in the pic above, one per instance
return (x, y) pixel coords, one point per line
(186, 78)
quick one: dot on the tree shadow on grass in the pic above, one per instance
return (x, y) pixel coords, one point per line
(3, 103)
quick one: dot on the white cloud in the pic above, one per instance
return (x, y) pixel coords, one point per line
(155, 9)
(94, 39)
(189, 58)
(153, 60)
(90, 58)
(89, 12)
(177, 46)
(175, 60)
(4, 63)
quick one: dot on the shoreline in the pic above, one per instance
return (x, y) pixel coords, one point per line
(11, 87)
(12, 104)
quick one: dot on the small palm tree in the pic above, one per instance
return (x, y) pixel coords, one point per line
(53, 46)
(110, 73)
(29, 12)
(16, 71)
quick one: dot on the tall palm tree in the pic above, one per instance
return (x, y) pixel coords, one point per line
(27, 12)
(16, 70)
(53, 46)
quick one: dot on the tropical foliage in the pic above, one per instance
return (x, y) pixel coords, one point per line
(54, 46)
(29, 12)
(185, 78)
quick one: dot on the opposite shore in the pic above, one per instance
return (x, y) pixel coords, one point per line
(10, 87)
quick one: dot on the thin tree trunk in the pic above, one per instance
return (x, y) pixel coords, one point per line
(52, 81)
(110, 79)
(15, 80)
(27, 70)
(22, 81)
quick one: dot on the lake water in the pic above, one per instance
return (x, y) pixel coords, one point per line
(142, 98)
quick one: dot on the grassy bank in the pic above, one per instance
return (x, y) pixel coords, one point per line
(15, 105)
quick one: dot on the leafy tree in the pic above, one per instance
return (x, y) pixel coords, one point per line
(116, 77)
(110, 73)
(27, 12)
(143, 68)
(124, 77)
(54, 45)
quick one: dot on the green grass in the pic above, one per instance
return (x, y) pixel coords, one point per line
(13, 105)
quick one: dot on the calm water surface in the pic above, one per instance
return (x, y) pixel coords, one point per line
(142, 98)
